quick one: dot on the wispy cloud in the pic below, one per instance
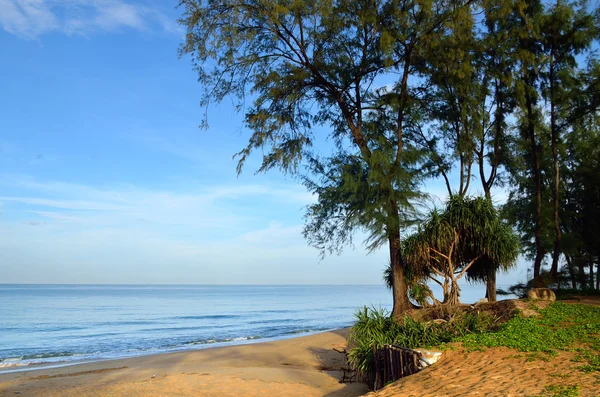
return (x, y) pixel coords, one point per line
(236, 233)
(200, 208)
(33, 18)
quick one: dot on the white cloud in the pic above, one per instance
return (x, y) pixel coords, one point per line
(64, 204)
(32, 18)
(27, 18)
(117, 15)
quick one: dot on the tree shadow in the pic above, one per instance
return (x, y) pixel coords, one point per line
(332, 363)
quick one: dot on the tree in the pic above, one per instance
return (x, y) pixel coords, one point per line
(550, 38)
(496, 69)
(567, 30)
(470, 74)
(467, 238)
(580, 175)
(527, 29)
(316, 62)
(454, 95)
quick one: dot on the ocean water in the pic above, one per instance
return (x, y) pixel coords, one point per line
(66, 324)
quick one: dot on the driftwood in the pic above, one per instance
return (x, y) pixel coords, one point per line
(394, 362)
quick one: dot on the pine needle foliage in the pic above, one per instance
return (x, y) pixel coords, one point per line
(312, 70)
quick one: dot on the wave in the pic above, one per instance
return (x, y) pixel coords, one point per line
(208, 317)
(47, 355)
(278, 321)
(221, 340)
(66, 357)
(305, 331)
(37, 358)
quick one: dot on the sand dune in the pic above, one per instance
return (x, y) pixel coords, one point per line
(498, 372)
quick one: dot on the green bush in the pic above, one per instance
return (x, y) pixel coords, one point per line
(375, 328)
(558, 327)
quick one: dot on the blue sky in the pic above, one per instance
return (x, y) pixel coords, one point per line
(105, 176)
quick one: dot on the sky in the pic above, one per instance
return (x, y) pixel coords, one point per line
(105, 176)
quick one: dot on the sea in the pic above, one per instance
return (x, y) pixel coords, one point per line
(57, 325)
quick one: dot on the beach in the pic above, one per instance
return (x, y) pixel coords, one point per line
(68, 324)
(302, 366)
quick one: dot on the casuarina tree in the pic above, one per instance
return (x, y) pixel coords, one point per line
(318, 65)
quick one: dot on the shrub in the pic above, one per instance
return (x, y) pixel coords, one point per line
(375, 328)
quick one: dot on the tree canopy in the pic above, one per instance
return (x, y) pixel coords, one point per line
(317, 63)
(407, 91)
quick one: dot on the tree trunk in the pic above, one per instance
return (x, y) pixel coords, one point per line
(537, 175)
(446, 291)
(490, 290)
(556, 184)
(592, 275)
(451, 288)
(399, 291)
(581, 274)
(452, 297)
(572, 274)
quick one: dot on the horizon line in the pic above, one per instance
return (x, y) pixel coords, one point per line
(229, 285)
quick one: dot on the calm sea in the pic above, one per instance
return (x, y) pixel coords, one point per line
(65, 324)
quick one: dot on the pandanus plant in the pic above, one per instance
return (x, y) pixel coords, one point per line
(467, 237)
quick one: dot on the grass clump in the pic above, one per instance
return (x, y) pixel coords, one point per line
(560, 391)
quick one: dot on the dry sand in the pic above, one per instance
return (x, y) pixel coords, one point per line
(304, 366)
(498, 372)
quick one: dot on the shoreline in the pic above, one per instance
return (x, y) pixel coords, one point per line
(303, 365)
(32, 367)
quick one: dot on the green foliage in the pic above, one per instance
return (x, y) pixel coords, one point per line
(421, 294)
(375, 327)
(319, 63)
(467, 237)
(353, 195)
(546, 195)
(569, 293)
(560, 391)
(418, 292)
(521, 289)
(559, 327)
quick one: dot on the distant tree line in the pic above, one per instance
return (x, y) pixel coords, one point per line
(506, 93)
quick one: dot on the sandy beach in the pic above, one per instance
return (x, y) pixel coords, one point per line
(303, 366)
